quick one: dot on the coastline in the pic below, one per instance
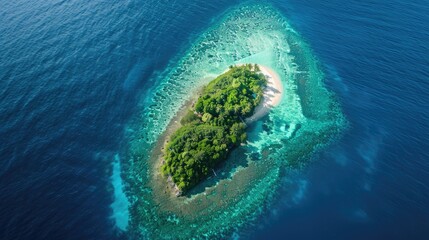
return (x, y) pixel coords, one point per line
(247, 184)
(273, 93)
(158, 180)
(272, 96)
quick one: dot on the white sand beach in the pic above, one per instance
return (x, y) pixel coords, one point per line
(272, 94)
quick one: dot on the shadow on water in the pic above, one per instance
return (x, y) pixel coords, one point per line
(141, 70)
(238, 158)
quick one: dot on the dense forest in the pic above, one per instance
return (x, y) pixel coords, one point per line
(214, 125)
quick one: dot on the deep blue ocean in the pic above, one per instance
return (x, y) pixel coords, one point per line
(72, 74)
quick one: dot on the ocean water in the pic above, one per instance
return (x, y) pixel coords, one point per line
(74, 76)
(307, 118)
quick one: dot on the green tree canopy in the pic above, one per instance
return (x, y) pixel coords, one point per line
(214, 126)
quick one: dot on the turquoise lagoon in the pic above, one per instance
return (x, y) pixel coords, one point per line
(307, 119)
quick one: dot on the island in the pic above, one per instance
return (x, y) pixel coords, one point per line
(285, 129)
(216, 124)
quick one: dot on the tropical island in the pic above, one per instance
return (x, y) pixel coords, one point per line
(216, 124)
(304, 117)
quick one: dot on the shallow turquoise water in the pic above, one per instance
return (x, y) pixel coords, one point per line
(73, 75)
(307, 118)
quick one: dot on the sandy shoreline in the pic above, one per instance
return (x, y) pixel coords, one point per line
(272, 94)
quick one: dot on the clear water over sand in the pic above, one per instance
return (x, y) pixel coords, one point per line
(307, 118)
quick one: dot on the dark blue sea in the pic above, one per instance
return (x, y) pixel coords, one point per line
(72, 74)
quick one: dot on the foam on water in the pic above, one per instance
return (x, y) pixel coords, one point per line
(307, 118)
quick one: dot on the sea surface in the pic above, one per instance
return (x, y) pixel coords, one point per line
(73, 73)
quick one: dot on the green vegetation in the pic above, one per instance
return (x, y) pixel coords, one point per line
(214, 126)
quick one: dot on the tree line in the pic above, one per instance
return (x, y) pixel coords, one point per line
(213, 126)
